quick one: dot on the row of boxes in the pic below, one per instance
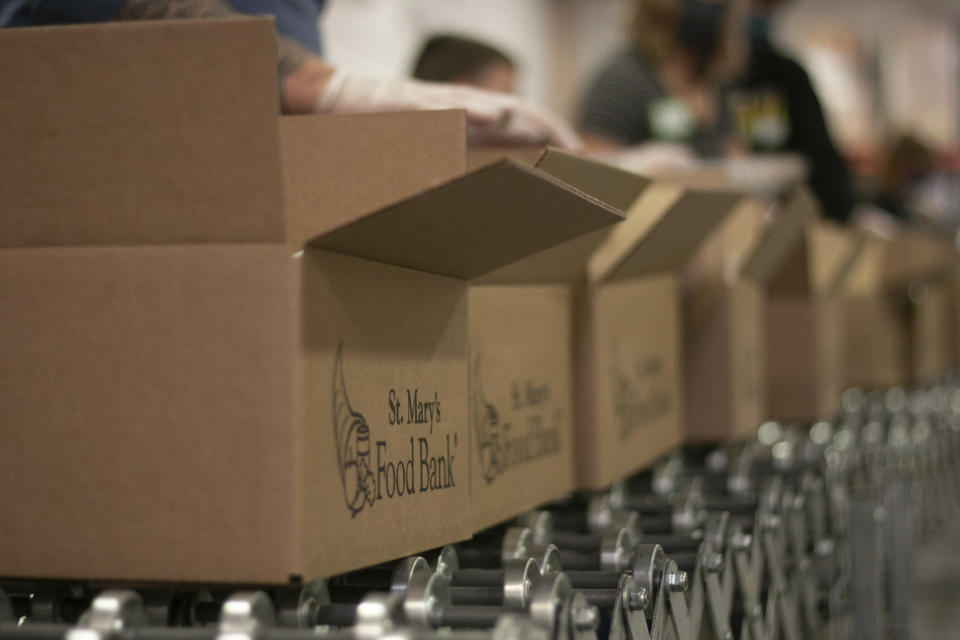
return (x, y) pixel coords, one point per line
(247, 349)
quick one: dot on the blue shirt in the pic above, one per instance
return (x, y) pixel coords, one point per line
(296, 19)
(23, 13)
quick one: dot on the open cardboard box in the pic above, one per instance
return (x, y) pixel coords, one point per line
(628, 327)
(218, 367)
(925, 262)
(802, 263)
(724, 339)
(897, 311)
(522, 331)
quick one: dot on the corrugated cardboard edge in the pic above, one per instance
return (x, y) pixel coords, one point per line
(615, 186)
(643, 216)
(777, 242)
(845, 268)
(481, 156)
(648, 215)
(340, 167)
(331, 240)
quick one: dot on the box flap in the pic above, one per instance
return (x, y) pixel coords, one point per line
(474, 224)
(779, 257)
(663, 229)
(616, 187)
(831, 249)
(140, 133)
(564, 264)
(480, 156)
(864, 275)
(916, 254)
(845, 273)
(720, 257)
(338, 168)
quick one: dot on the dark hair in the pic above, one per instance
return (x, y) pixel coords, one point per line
(445, 58)
(657, 27)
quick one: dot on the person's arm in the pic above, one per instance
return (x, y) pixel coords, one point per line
(309, 85)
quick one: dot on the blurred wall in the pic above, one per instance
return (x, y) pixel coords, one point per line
(881, 67)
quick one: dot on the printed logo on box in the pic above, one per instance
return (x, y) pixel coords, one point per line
(499, 446)
(639, 393)
(369, 474)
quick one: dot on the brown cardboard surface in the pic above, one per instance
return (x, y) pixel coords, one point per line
(380, 289)
(493, 216)
(723, 329)
(148, 415)
(877, 334)
(479, 156)
(729, 244)
(664, 227)
(802, 263)
(224, 411)
(699, 236)
(832, 250)
(914, 254)
(724, 363)
(565, 263)
(521, 404)
(383, 432)
(805, 357)
(748, 365)
(522, 341)
(614, 186)
(110, 108)
(337, 168)
(629, 393)
(955, 312)
(777, 251)
(892, 338)
(933, 333)
(865, 275)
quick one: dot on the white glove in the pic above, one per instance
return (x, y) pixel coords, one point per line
(492, 118)
(652, 158)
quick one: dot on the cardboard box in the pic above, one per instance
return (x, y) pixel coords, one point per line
(644, 314)
(897, 317)
(933, 331)
(523, 328)
(802, 263)
(628, 318)
(925, 262)
(724, 335)
(521, 398)
(724, 339)
(876, 325)
(217, 366)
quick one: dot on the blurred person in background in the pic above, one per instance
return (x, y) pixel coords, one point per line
(308, 84)
(667, 86)
(459, 60)
(916, 187)
(906, 163)
(777, 111)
